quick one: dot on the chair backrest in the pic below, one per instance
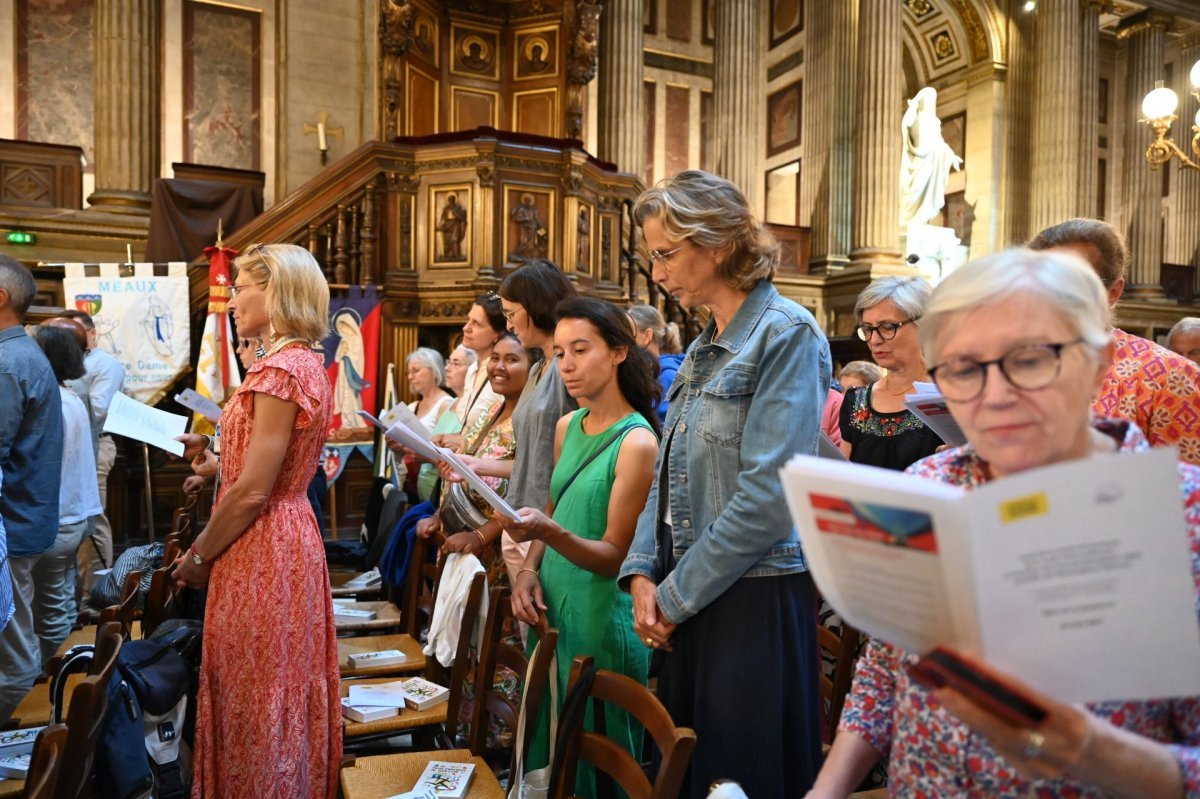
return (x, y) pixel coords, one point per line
(85, 718)
(171, 549)
(610, 758)
(456, 679)
(46, 762)
(160, 601)
(495, 653)
(842, 650)
(126, 611)
(421, 585)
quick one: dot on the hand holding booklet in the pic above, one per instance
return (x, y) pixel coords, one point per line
(1075, 577)
(402, 434)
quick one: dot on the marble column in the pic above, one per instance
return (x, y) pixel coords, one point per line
(1142, 187)
(1056, 114)
(1089, 107)
(622, 129)
(739, 95)
(1022, 70)
(1183, 222)
(827, 173)
(127, 36)
(877, 142)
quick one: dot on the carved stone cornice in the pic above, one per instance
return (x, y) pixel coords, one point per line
(1146, 20)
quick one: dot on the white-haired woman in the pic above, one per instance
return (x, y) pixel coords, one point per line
(268, 719)
(426, 373)
(877, 430)
(1019, 344)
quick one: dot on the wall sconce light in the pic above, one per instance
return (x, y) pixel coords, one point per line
(1158, 111)
(323, 132)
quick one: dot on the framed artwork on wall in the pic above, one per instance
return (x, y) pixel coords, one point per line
(450, 208)
(787, 19)
(221, 86)
(783, 118)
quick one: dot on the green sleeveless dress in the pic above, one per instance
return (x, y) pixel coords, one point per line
(592, 615)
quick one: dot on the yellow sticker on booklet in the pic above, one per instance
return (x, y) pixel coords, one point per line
(1014, 510)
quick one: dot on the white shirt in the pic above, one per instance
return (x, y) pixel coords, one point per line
(451, 603)
(79, 494)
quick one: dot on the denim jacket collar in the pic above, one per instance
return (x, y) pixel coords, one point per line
(12, 332)
(745, 320)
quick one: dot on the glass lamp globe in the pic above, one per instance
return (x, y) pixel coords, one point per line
(1159, 103)
(1195, 75)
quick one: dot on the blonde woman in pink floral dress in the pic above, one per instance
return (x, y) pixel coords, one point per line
(268, 719)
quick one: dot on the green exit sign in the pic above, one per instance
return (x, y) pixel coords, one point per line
(20, 237)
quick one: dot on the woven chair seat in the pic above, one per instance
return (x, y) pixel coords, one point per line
(385, 775)
(411, 647)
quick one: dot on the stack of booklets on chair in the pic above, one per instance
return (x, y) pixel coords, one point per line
(383, 700)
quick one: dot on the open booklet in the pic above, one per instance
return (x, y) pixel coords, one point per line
(1075, 578)
(405, 436)
(930, 407)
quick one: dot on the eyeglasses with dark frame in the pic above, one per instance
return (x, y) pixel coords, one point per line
(658, 256)
(1029, 367)
(886, 330)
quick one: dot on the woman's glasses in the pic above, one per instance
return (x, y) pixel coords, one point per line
(886, 330)
(1028, 367)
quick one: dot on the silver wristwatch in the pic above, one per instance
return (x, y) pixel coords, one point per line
(199, 561)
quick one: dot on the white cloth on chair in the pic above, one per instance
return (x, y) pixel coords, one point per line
(449, 606)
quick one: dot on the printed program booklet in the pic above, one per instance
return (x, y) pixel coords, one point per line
(1075, 577)
(446, 780)
(928, 404)
(365, 713)
(18, 742)
(15, 767)
(414, 692)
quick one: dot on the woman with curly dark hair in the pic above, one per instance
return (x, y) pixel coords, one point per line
(603, 468)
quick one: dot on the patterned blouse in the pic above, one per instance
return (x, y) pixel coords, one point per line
(497, 444)
(931, 754)
(1155, 388)
(887, 440)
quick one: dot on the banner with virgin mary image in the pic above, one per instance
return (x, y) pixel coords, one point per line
(352, 362)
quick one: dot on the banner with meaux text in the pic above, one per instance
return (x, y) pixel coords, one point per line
(141, 320)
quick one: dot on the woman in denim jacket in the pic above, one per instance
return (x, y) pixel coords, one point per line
(716, 571)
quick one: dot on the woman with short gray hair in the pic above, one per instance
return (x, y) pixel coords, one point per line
(877, 429)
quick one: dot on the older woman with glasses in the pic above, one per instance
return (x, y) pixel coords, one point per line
(1020, 344)
(877, 430)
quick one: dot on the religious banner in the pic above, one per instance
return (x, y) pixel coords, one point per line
(217, 375)
(141, 320)
(352, 362)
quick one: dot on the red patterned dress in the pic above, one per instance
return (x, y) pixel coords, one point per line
(269, 720)
(1155, 388)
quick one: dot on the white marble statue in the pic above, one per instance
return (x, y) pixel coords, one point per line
(926, 161)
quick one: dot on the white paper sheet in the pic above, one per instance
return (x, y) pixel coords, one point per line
(827, 449)
(202, 405)
(388, 694)
(132, 419)
(403, 414)
(930, 407)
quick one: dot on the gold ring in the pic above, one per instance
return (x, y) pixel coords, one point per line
(1033, 747)
(649, 642)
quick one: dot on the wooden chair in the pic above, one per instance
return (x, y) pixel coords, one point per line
(88, 704)
(385, 775)
(436, 726)
(834, 688)
(496, 653)
(397, 612)
(609, 758)
(420, 588)
(46, 762)
(160, 601)
(34, 710)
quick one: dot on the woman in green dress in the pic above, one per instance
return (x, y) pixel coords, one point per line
(604, 465)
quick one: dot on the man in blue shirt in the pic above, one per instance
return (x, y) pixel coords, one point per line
(31, 442)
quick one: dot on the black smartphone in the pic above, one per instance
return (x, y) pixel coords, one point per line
(942, 668)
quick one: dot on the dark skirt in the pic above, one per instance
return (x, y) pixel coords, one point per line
(744, 675)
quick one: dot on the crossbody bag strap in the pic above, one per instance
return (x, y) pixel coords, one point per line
(608, 443)
(518, 776)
